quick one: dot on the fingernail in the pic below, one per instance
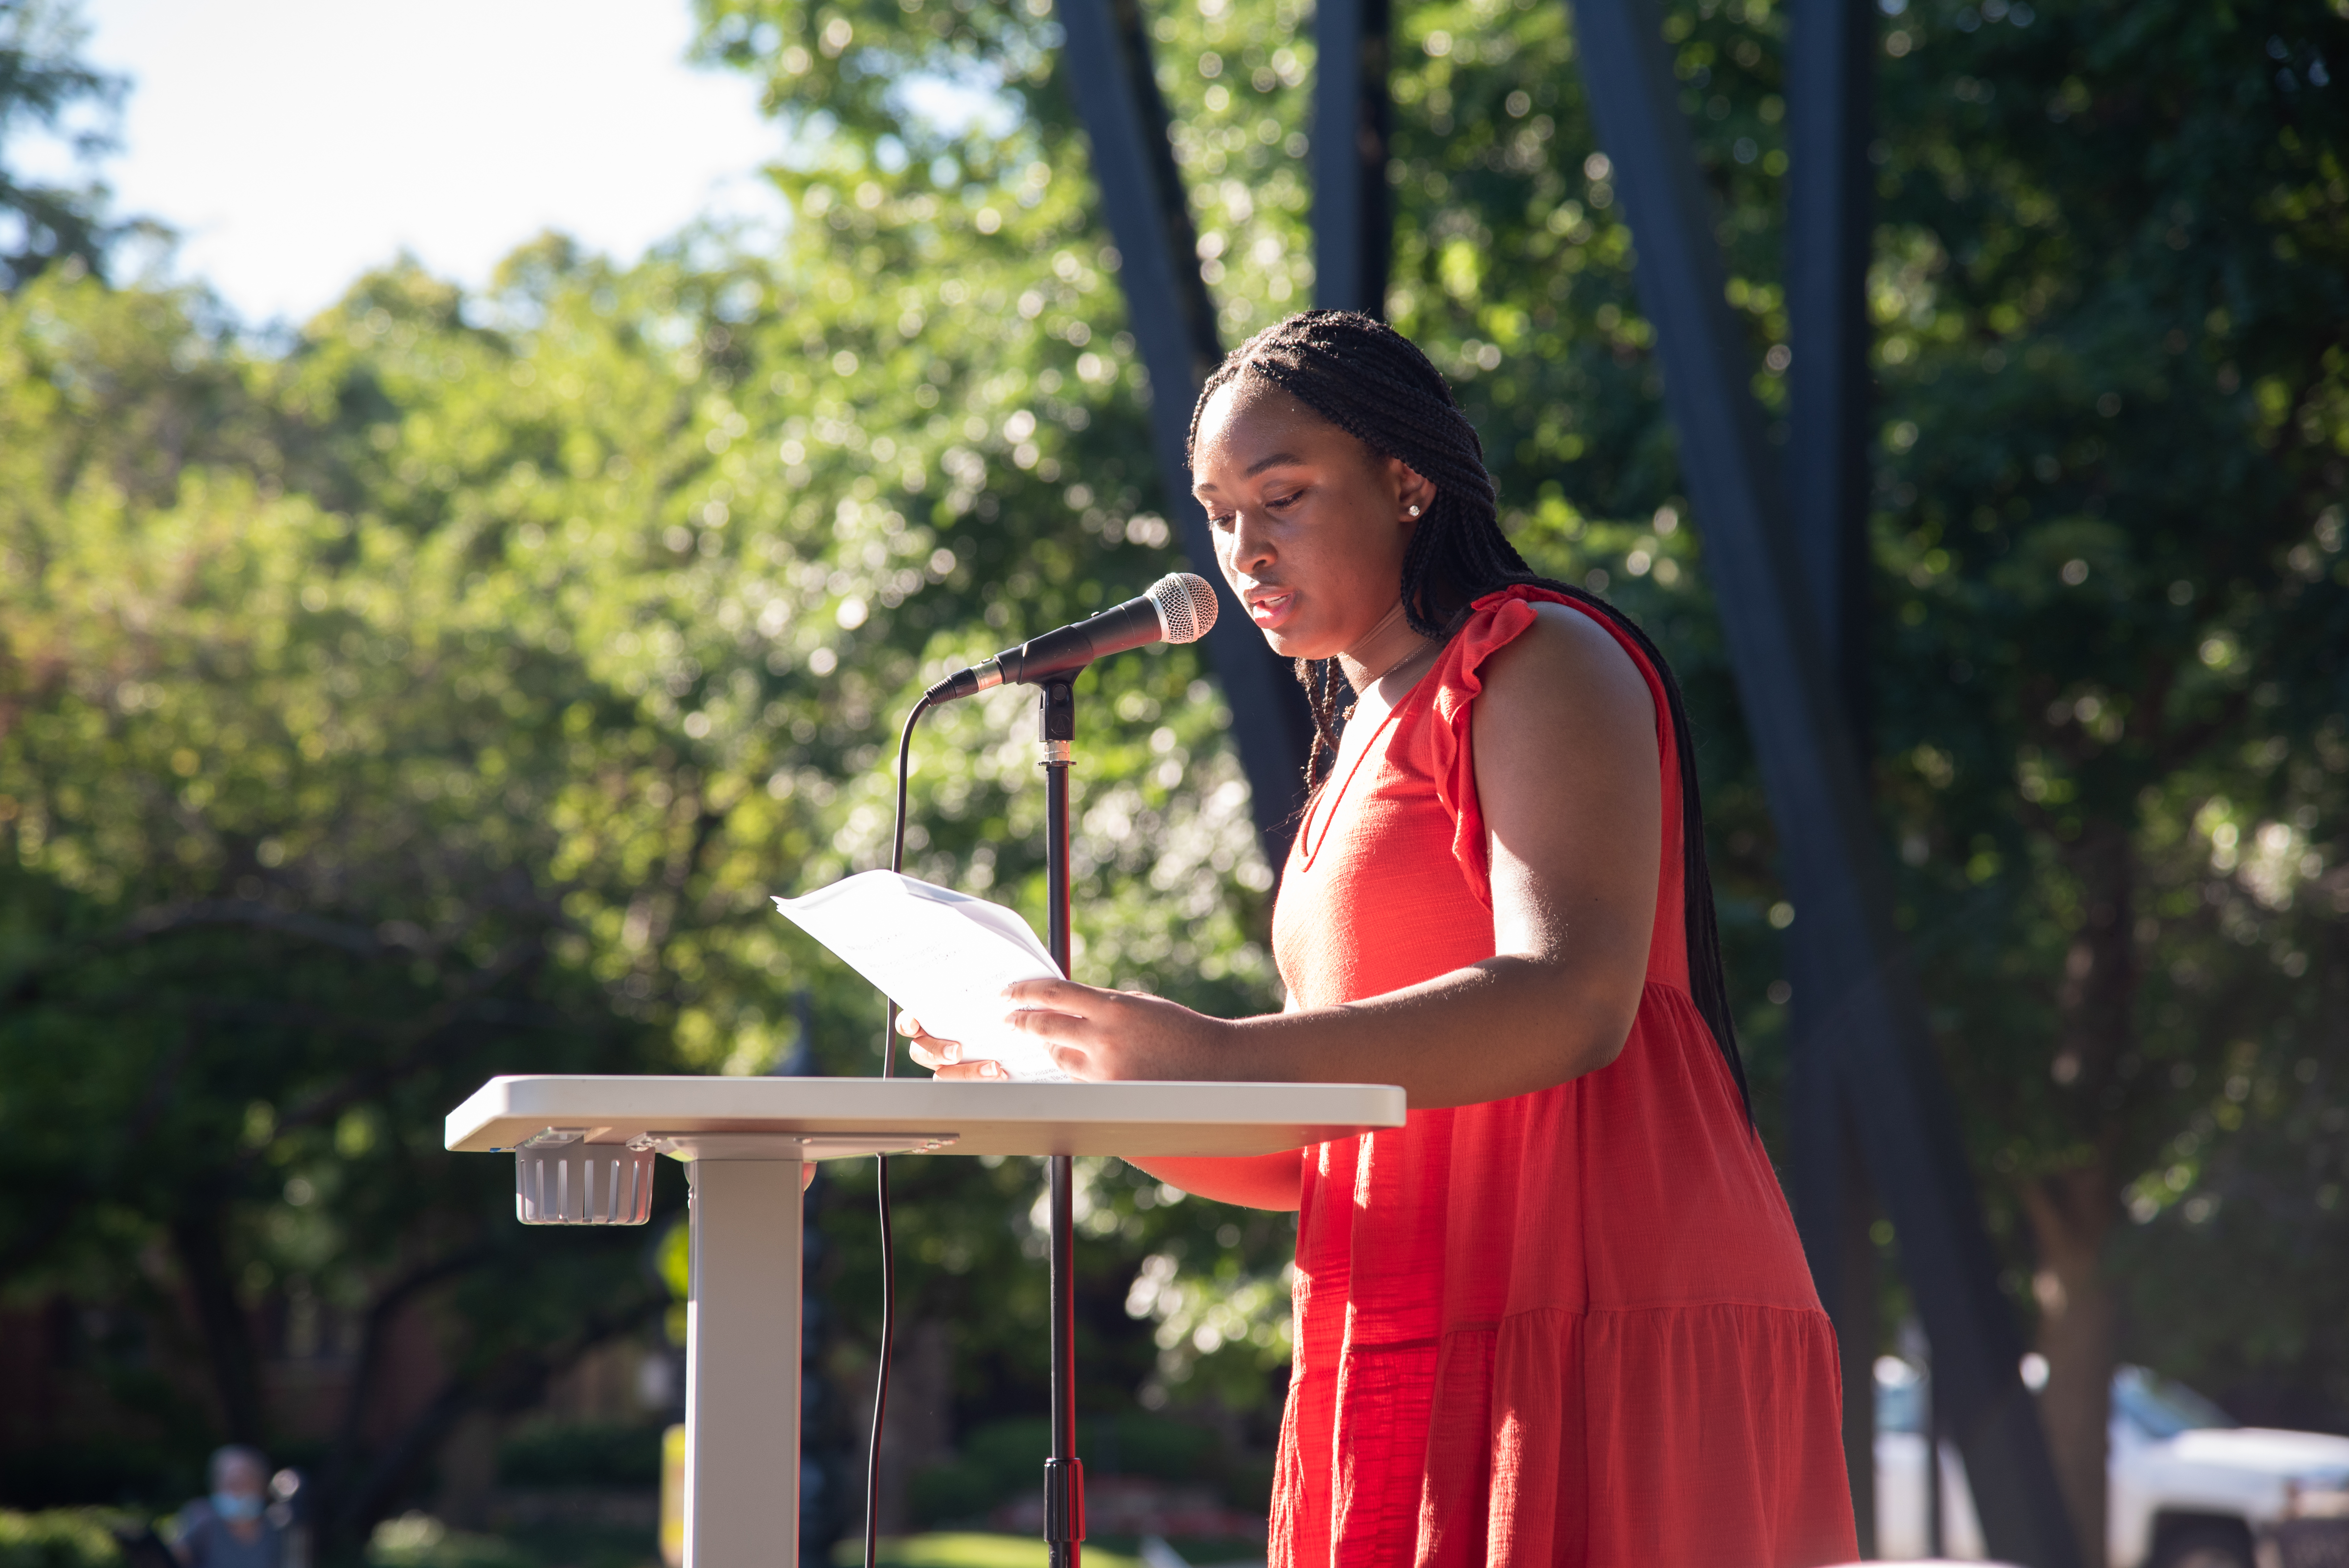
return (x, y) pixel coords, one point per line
(990, 1069)
(953, 1051)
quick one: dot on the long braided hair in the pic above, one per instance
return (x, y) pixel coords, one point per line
(1372, 382)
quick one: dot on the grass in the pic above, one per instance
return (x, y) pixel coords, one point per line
(419, 1540)
(968, 1549)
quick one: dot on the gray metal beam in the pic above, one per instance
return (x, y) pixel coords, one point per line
(1830, 90)
(1870, 1006)
(1174, 324)
(1354, 221)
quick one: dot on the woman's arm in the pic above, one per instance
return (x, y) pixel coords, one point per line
(1253, 1181)
(1564, 738)
(1263, 1181)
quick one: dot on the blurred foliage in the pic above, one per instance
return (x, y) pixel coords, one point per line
(2114, 411)
(580, 1454)
(59, 1538)
(971, 1549)
(442, 692)
(445, 692)
(1000, 1461)
(44, 84)
(420, 1541)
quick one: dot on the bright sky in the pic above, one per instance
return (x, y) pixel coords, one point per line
(298, 144)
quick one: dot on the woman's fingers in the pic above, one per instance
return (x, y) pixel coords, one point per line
(934, 1052)
(1035, 1019)
(912, 1028)
(1089, 1034)
(1058, 996)
(943, 1059)
(928, 1048)
(1061, 1011)
(1074, 1060)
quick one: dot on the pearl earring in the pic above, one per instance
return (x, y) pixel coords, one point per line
(1415, 511)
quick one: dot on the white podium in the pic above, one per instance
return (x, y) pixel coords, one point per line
(744, 1140)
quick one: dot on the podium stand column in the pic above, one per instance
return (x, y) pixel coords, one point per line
(742, 1366)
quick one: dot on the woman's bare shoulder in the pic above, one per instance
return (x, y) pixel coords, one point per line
(1566, 664)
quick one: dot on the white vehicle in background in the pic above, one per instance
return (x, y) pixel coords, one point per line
(2190, 1487)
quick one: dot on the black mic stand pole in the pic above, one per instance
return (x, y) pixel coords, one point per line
(1064, 1475)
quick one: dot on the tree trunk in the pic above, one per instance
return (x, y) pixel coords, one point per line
(2071, 1208)
(340, 1519)
(2070, 1217)
(221, 1318)
(919, 1432)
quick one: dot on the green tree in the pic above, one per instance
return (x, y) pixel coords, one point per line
(43, 83)
(2114, 359)
(445, 691)
(2108, 527)
(431, 698)
(276, 788)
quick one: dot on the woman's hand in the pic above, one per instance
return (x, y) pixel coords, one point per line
(1095, 1035)
(1104, 1034)
(942, 1057)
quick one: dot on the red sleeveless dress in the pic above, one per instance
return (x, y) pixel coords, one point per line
(1573, 1327)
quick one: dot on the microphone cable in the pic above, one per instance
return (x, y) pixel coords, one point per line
(888, 1251)
(1179, 607)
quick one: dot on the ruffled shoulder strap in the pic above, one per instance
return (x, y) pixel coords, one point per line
(1494, 622)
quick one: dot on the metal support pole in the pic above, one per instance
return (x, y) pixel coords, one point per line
(1174, 324)
(1870, 1008)
(1830, 83)
(743, 1364)
(1936, 1526)
(1833, 1211)
(1064, 1474)
(1353, 226)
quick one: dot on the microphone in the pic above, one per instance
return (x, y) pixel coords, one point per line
(1179, 607)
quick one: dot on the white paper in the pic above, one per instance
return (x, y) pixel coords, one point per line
(942, 956)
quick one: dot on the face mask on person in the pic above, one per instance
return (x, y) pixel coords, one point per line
(235, 1508)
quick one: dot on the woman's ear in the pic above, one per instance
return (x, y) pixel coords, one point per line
(1414, 494)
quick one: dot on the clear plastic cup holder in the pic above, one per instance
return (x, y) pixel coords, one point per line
(584, 1184)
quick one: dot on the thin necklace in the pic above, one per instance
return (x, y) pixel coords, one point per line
(1382, 675)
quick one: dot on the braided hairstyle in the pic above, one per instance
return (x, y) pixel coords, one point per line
(1374, 383)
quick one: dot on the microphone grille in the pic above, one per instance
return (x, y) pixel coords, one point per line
(1187, 606)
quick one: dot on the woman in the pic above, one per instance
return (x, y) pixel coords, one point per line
(232, 1528)
(1562, 1315)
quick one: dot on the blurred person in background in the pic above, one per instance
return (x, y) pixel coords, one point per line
(233, 1527)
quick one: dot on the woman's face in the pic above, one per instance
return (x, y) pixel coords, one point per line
(1310, 524)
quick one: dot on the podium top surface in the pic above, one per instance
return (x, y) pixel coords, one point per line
(814, 1118)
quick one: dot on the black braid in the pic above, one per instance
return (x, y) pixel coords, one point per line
(1372, 382)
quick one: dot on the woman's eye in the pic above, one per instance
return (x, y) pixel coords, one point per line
(1222, 520)
(1282, 503)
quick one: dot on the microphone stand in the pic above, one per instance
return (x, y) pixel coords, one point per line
(1064, 1474)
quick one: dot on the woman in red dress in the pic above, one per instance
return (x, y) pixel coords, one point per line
(1561, 1316)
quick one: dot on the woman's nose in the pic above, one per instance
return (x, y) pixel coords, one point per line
(1248, 547)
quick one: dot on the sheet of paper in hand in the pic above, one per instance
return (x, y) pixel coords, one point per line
(942, 956)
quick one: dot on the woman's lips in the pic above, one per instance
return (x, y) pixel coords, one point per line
(1272, 610)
